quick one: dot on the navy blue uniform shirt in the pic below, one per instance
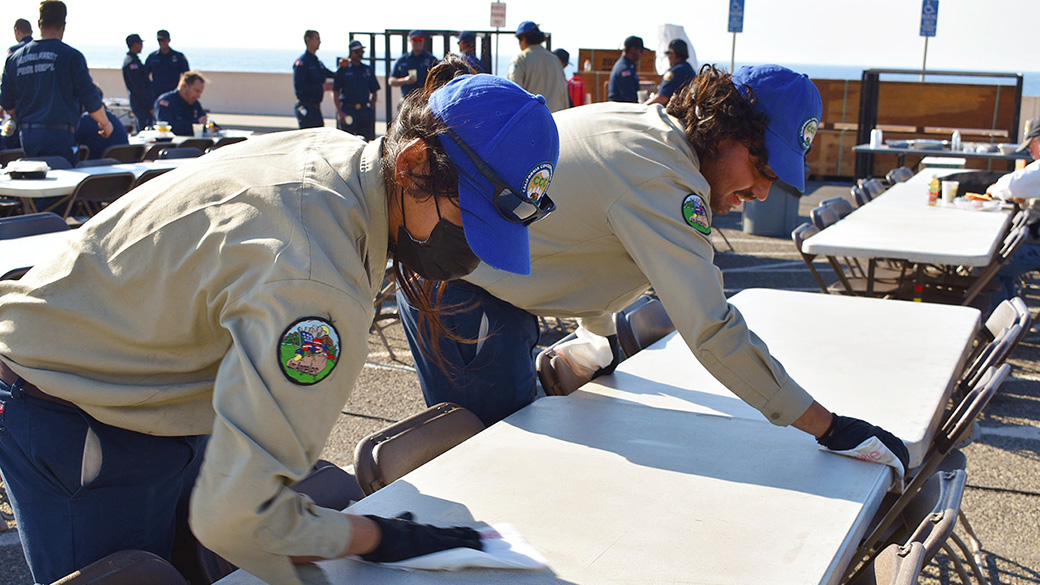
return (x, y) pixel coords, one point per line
(171, 107)
(473, 62)
(308, 78)
(355, 84)
(87, 134)
(421, 63)
(624, 81)
(24, 41)
(47, 82)
(165, 70)
(135, 76)
(677, 76)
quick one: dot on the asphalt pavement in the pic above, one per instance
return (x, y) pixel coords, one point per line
(1002, 501)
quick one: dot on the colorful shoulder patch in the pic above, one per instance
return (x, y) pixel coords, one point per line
(309, 350)
(695, 212)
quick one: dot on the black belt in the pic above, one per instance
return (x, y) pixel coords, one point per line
(9, 377)
(356, 106)
(305, 104)
(31, 125)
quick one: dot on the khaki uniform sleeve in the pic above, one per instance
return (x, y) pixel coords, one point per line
(269, 432)
(677, 259)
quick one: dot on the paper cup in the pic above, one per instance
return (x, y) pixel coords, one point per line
(949, 191)
(197, 129)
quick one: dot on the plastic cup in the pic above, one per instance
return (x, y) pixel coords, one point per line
(197, 130)
(949, 191)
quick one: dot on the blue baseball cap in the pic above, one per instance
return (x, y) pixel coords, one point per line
(526, 27)
(356, 45)
(468, 36)
(793, 105)
(416, 33)
(513, 135)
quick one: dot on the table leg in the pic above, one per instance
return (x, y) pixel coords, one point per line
(919, 284)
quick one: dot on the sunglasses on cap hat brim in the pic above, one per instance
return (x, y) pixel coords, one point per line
(511, 204)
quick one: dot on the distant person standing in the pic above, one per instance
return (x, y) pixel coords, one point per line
(536, 69)
(309, 75)
(679, 73)
(165, 65)
(411, 69)
(45, 86)
(22, 34)
(624, 77)
(135, 76)
(87, 133)
(356, 89)
(181, 107)
(575, 85)
(468, 49)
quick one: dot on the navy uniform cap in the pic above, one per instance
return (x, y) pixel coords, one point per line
(356, 45)
(134, 38)
(163, 35)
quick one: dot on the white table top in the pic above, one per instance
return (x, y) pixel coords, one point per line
(63, 182)
(892, 363)
(619, 494)
(17, 253)
(151, 136)
(900, 224)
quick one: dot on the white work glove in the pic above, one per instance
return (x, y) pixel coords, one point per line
(587, 354)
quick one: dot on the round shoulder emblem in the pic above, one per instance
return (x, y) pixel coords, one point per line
(695, 212)
(537, 181)
(308, 350)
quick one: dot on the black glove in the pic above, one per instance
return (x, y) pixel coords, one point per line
(404, 539)
(848, 433)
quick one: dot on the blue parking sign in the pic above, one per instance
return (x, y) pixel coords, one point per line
(736, 16)
(929, 17)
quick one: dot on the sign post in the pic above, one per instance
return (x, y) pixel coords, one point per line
(929, 20)
(736, 25)
(498, 20)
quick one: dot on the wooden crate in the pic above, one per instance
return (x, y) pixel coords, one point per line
(602, 60)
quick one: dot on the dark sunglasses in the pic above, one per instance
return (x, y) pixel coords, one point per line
(510, 203)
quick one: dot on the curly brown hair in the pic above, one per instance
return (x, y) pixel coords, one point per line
(416, 120)
(713, 109)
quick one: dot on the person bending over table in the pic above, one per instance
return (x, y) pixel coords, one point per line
(233, 299)
(181, 107)
(1022, 186)
(638, 186)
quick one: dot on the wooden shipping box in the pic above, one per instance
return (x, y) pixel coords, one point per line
(602, 61)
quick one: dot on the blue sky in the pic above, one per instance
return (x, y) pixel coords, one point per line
(972, 34)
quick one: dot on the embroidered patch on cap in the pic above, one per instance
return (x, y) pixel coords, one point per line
(808, 132)
(308, 350)
(696, 213)
(537, 181)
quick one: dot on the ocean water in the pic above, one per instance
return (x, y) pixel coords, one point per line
(281, 61)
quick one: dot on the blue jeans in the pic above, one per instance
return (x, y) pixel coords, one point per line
(137, 500)
(492, 378)
(1027, 258)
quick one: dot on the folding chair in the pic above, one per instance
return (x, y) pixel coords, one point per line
(641, 325)
(874, 187)
(931, 516)
(896, 565)
(97, 162)
(840, 205)
(799, 235)
(186, 152)
(823, 216)
(148, 176)
(83, 151)
(957, 426)
(127, 567)
(387, 455)
(860, 196)
(963, 289)
(899, 175)
(95, 192)
(228, 140)
(556, 376)
(200, 143)
(127, 153)
(31, 224)
(10, 154)
(153, 151)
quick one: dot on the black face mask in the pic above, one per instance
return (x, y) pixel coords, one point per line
(445, 255)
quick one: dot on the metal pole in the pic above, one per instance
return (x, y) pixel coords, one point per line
(733, 53)
(925, 59)
(497, 47)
